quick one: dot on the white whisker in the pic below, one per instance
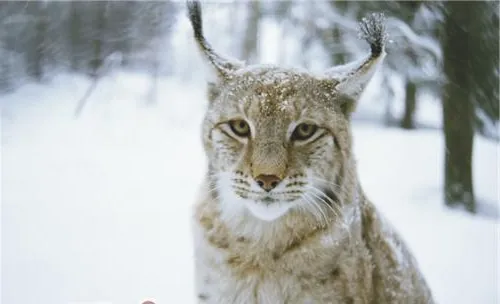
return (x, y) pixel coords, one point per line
(311, 203)
(329, 203)
(341, 219)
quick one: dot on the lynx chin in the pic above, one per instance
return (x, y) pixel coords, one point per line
(281, 216)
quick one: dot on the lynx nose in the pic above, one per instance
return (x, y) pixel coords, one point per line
(267, 182)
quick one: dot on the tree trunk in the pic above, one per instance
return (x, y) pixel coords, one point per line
(41, 32)
(458, 107)
(339, 54)
(408, 121)
(250, 43)
(35, 52)
(75, 32)
(338, 57)
(98, 41)
(5, 72)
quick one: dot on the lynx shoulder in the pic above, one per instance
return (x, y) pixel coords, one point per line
(281, 216)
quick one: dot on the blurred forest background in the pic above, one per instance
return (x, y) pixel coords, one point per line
(443, 51)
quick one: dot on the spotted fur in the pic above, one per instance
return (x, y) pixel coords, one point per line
(315, 238)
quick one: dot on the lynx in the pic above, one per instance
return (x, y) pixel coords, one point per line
(281, 216)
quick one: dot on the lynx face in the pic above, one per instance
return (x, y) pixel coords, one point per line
(276, 139)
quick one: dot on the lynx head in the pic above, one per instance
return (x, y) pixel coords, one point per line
(279, 139)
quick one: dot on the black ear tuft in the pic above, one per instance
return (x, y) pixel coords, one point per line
(353, 77)
(223, 65)
(372, 29)
(194, 14)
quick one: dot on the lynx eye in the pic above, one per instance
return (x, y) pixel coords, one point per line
(304, 131)
(240, 127)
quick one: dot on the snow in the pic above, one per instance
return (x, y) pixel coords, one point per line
(97, 209)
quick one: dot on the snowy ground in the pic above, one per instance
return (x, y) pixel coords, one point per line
(97, 209)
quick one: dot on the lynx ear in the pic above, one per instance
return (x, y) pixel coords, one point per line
(353, 77)
(223, 66)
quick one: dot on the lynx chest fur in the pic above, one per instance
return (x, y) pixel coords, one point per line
(281, 216)
(256, 265)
